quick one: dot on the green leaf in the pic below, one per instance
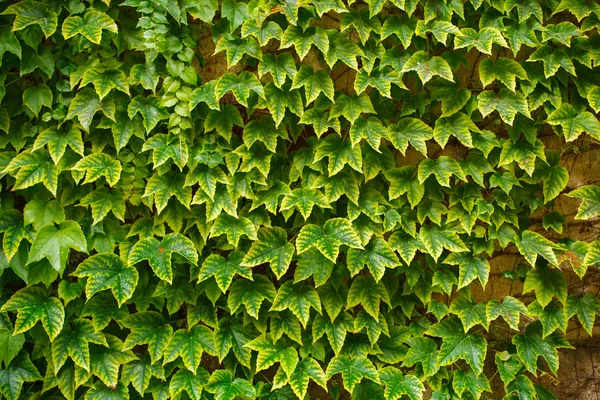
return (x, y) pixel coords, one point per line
(457, 344)
(103, 201)
(509, 309)
(106, 271)
(20, 370)
(590, 206)
(37, 97)
(573, 124)
(340, 152)
(223, 121)
(190, 382)
(504, 69)
(482, 40)
(442, 168)
(471, 382)
(73, 343)
(97, 165)
(251, 294)
(397, 384)
(469, 311)
(422, 350)
(163, 187)
(452, 96)
(55, 244)
(404, 180)
(139, 373)
(159, 254)
(224, 387)
(32, 304)
(233, 228)
(335, 232)
(427, 67)
(280, 66)
(368, 293)
(13, 227)
(505, 102)
(353, 370)
(458, 125)
(592, 256)
(147, 327)
(371, 129)
(307, 369)
(102, 392)
(223, 270)
(56, 140)
(560, 33)
(272, 247)
(593, 98)
(435, 239)
(30, 12)
(106, 360)
(470, 268)
(547, 283)
(87, 103)
(335, 328)
(313, 263)
(105, 81)
(304, 200)
(235, 12)
(298, 298)
(351, 107)
(532, 244)
(553, 59)
(264, 131)
(531, 345)
(10, 43)
(373, 326)
(90, 26)
(235, 49)
(377, 256)
(189, 345)
(11, 343)
(586, 309)
(270, 353)
(580, 9)
(149, 109)
(314, 83)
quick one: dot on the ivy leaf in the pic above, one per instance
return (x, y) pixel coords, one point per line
(163, 187)
(442, 168)
(403, 26)
(55, 244)
(73, 343)
(86, 104)
(189, 345)
(304, 200)
(240, 85)
(206, 94)
(272, 247)
(269, 353)
(313, 263)
(149, 109)
(547, 283)
(97, 165)
(457, 344)
(106, 271)
(470, 268)
(13, 227)
(342, 49)
(560, 33)
(11, 343)
(57, 140)
(334, 233)
(586, 309)
(10, 43)
(223, 121)
(103, 201)
(314, 83)
(423, 350)
(397, 384)
(523, 33)
(532, 244)
(298, 298)
(147, 327)
(37, 97)
(508, 309)
(353, 370)
(573, 124)
(482, 40)
(505, 102)
(233, 228)
(471, 382)
(553, 59)
(590, 206)
(351, 107)
(307, 368)
(452, 96)
(251, 294)
(410, 130)
(105, 81)
(340, 152)
(32, 304)
(279, 100)
(223, 270)
(281, 66)
(235, 49)
(368, 293)
(579, 8)
(458, 125)
(531, 345)
(18, 371)
(139, 373)
(190, 382)
(427, 67)
(222, 384)
(469, 311)
(377, 256)
(504, 69)
(90, 26)
(404, 180)
(371, 129)
(30, 12)
(264, 131)
(335, 328)
(159, 254)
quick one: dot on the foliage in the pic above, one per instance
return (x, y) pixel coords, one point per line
(271, 199)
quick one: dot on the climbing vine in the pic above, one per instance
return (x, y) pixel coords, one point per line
(272, 199)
